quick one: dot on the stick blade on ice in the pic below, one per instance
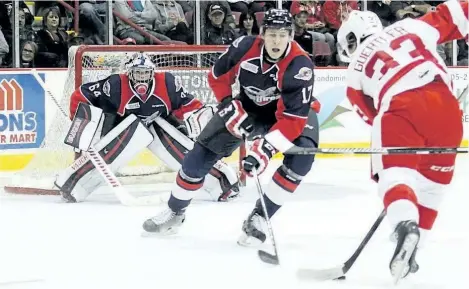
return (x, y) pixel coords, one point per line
(320, 275)
(268, 258)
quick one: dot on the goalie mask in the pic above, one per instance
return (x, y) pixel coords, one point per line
(140, 70)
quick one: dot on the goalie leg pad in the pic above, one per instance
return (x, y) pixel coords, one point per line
(117, 147)
(167, 148)
(221, 180)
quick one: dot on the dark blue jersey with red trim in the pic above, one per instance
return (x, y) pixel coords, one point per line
(115, 95)
(280, 93)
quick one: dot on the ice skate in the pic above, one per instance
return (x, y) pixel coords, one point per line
(165, 223)
(403, 261)
(253, 233)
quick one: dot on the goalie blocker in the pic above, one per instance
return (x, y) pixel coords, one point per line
(121, 143)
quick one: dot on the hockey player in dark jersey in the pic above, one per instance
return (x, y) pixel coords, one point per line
(117, 116)
(275, 99)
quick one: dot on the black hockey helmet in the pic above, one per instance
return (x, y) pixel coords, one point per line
(278, 19)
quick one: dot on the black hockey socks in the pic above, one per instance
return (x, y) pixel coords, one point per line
(271, 207)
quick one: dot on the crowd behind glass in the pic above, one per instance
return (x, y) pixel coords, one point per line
(39, 33)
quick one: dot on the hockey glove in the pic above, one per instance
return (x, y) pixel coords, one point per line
(196, 121)
(316, 106)
(260, 153)
(236, 119)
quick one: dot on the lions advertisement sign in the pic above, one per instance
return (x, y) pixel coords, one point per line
(22, 110)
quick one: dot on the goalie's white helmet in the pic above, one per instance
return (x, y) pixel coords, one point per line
(359, 25)
(140, 70)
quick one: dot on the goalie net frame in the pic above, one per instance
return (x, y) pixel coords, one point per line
(77, 70)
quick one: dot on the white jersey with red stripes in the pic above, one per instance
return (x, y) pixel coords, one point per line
(450, 19)
(403, 57)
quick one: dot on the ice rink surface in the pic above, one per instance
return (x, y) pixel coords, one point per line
(45, 243)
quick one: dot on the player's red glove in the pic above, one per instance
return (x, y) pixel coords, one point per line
(316, 106)
(237, 120)
(260, 153)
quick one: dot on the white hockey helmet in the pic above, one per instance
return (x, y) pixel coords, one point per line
(140, 70)
(358, 25)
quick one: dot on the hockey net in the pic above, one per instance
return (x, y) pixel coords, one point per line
(190, 64)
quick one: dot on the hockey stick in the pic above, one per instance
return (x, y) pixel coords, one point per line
(286, 147)
(124, 197)
(341, 270)
(463, 93)
(263, 255)
(295, 150)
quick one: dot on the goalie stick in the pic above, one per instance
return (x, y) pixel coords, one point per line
(124, 197)
(340, 271)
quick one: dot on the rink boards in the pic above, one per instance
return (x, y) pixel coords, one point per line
(27, 112)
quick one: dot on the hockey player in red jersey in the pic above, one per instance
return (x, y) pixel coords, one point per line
(129, 104)
(400, 86)
(276, 85)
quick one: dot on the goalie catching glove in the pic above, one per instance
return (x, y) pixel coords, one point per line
(260, 153)
(236, 119)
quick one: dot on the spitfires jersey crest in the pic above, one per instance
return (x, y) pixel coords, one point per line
(260, 86)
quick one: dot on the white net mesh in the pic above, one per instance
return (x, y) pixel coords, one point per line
(190, 64)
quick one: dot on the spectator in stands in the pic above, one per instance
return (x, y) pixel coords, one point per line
(26, 34)
(462, 53)
(412, 9)
(6, 17)
(383, 10)
(217, 31)
(76, 40)
(4, 48)
(269, 4)
(41, 7)
(442, 51)
(28, 54)
(244, 6)
(185, 5)
(248, 24)
(52, 41)
(304, 39)
(128, 41)
(315, 23)
(170, 20)
(336, 11)
(143, 14)
(205, 5)
(91, 26)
